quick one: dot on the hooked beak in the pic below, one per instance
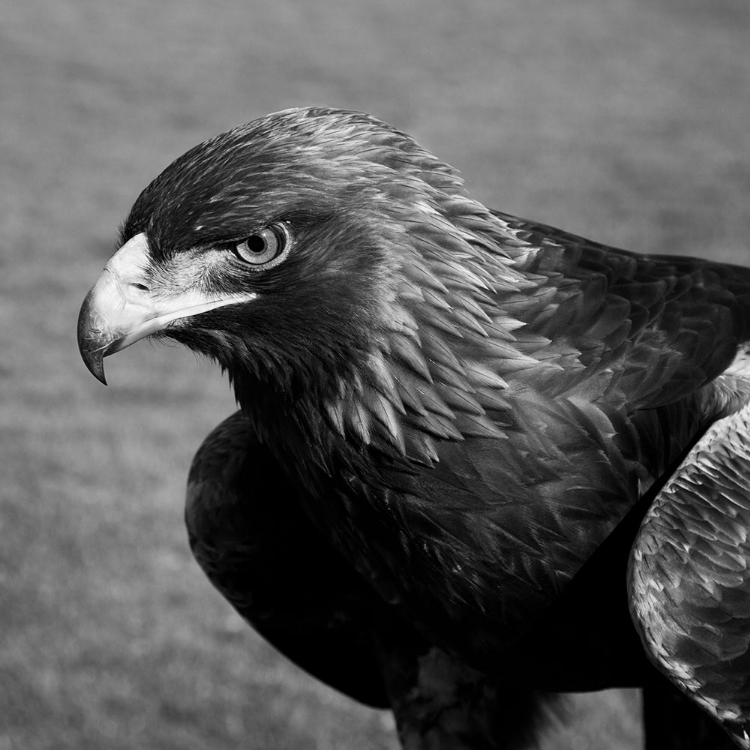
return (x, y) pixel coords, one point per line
(122, 308)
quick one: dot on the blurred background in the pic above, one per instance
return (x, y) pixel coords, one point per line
(622, 120)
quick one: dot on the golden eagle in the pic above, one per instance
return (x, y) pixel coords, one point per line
(478, 459)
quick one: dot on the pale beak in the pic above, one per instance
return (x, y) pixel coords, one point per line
(121, 308)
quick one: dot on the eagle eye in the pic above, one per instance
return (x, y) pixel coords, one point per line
(266, 248)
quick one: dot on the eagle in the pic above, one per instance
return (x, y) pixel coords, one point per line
(478, 461)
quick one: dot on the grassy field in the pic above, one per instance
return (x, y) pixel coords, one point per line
(624, 120)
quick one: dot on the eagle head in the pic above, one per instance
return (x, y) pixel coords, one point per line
(315, 255)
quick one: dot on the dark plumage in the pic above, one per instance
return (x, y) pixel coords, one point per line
(452, 424)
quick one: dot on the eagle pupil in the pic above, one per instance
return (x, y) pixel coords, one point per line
(256, 244)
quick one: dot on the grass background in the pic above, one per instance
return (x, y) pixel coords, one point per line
(623, 120)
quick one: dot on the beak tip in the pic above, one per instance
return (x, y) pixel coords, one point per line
(94, 362)
(96, 368)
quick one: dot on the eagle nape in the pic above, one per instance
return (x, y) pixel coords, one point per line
(478, 460)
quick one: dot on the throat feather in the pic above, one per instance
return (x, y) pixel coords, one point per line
(422, 386)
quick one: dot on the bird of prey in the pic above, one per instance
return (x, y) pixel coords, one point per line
(478, 460)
